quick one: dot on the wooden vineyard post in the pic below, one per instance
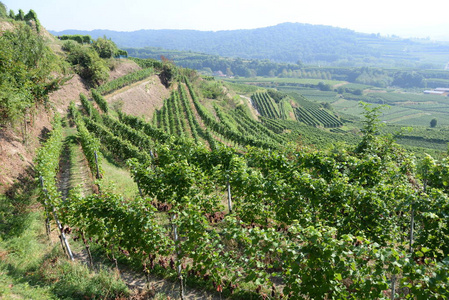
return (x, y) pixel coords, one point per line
(176, 238)
(140, 190)
(393, 286)
(64, 243)
(412, 224)
(91, 261)
(96, 163)
(228, 185)
(47, 218)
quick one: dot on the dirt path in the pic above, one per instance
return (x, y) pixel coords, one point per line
(73, 166)
(162, 287)
(251, 107)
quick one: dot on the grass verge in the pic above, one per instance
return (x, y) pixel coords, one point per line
(33, 267)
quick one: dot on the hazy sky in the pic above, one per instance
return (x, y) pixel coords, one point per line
(404, 18)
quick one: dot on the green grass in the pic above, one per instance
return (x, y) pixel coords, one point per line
(357, 86)
(277, 80)
(32, 267)
(242, 88)
(314, 94)
(118, 178)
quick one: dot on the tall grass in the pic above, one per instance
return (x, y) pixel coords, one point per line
(33, 267)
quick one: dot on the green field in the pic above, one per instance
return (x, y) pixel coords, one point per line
(284, 81)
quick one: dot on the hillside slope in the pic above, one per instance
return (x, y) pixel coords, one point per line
(287, 42)
(17, 148)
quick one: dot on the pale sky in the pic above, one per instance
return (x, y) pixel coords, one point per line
(404, 18)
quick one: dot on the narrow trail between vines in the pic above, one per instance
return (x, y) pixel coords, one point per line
(74, 173)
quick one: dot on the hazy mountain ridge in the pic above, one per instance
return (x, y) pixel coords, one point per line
(286, 42)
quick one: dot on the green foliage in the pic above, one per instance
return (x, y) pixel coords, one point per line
(331, 224)
(86, 62)
(409, 79)
(370, 129)
(265, 105)
(26, 69)
(31, 15)
(99, 99)
(105, 48)
(77, 281)
(433, 123)
(168, 73)
(324, 87)
(81, 39)
(147, 63)
(47, 166)
(121, 52)
(20, 16)
(123, 81)
(3, 10)
(212, 89)
(90, 145)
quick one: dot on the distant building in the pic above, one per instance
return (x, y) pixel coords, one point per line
(444, 90)
(432, 92)
(219, 74)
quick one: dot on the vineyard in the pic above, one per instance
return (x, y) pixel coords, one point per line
(308, 112)
(262, 219)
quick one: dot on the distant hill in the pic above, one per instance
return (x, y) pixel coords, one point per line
(289, 42)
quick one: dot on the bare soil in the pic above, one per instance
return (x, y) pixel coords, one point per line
(18, 148)
(4, 26)
(69, 92)
(122, 68)
(141, 98)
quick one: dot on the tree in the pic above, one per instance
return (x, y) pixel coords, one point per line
(25, 71)
(433, 123)
(87, 62)
(105, 48)
(370, 130)
(3, 10)
(20, 16)
(324, 87)
(341, 90)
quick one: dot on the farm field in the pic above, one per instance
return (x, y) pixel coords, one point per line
(283, 81)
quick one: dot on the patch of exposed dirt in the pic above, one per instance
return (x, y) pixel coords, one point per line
(375, 91)
(339, 84)
(141, 98)
(5, 26)
(76, 85)
(142, 287)
(251, 107)
(123, 67)
(18, 147)
(407, 103)
(69, 92)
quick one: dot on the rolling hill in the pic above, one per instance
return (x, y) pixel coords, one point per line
(287, 42)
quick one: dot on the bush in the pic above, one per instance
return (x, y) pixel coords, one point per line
(87, 63)
(105, 48)
(25, 71)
